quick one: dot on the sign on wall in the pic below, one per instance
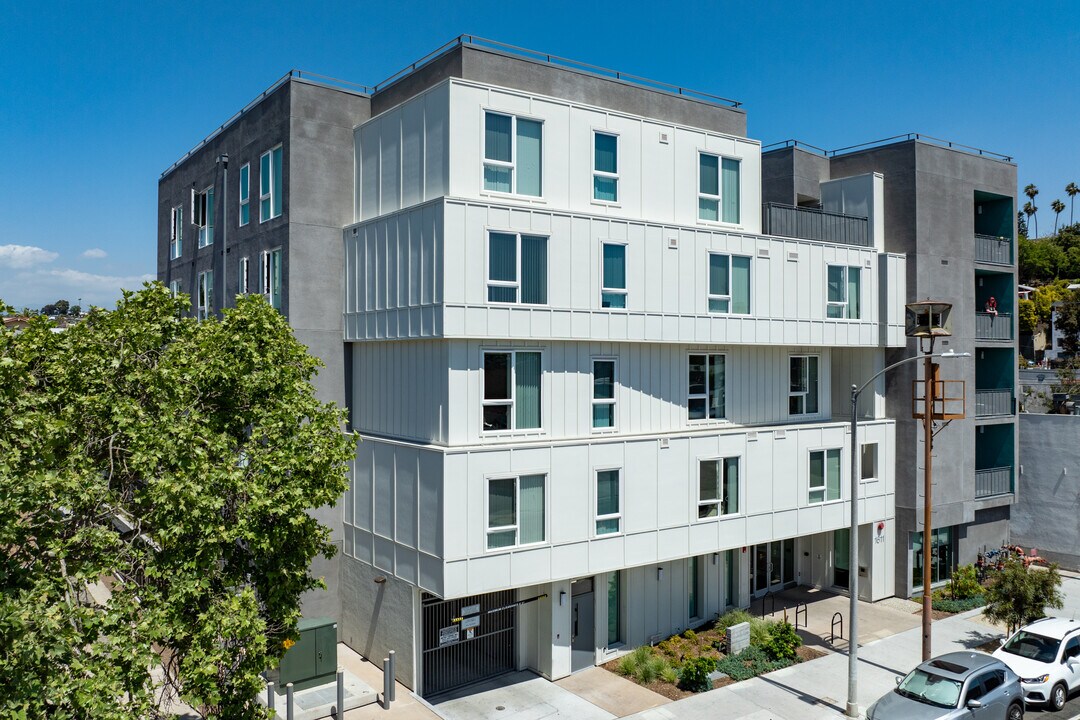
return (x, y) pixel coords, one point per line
(451, 635)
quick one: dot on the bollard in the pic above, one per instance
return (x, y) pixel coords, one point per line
(340, 692)
(387, 683)
(270, 695)
(393, 677)
(288, 702)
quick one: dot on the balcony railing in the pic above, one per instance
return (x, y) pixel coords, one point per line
(813, 224)
(993, 249)
(993, 481)
(989, 403)
(993, 327)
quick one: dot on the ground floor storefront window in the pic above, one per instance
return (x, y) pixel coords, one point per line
(941, 556)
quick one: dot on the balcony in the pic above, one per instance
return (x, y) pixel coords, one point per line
(812, 224)
(993, 249)
(993, 327)
(993, 481)
(992, 403)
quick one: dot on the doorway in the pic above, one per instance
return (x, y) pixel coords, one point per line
(582, 625)
(841, 557)
(773, 566)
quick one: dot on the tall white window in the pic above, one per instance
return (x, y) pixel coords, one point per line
(844, 292)
(515, 511)
(613, 276)
(513, 154)
(511, 390)
(614, 608)
(608, 502)
(605, 167)
(174, 287)
(517, 268)
(205, 305)
(270, 184)
(245, 194)
(176, 233)
(242, 276)
(271, 277)
(824, 481)
(603, 396)
(803, 385)
(707, 387)
(868, 462)
(718, 487)
(729, 284)
(718, 188)
(202, 214)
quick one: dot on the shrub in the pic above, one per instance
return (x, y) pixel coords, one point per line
(964, 583)
(955, 606)
(695, 674)
(732, 618)
(669, 675)
(783, 641)
(629, 664)
(690, 635)
(1017, 594)
(761, 631)
(749, 663)
(651, 670)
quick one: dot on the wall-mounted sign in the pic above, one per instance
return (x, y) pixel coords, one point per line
(448, 635)
(471, 609)
(470, 633)
(470, 622)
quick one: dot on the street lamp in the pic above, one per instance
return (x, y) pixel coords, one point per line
(931, 323)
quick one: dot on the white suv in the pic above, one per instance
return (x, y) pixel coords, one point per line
(1046, 656)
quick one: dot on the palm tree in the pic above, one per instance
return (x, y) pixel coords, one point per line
(1029, 210)
(1072, 191)
(1057, 206)
(1031, 191)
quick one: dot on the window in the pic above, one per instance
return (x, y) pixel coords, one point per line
(511, 391)
(718, 487)
(693, 588)
(245, 194)
(517, 263)
(868, 462)
(605, 167)
(206, 295)
(515, 511)
(270, 184)
(614, 608)
(176, 233)
(174, 287)
(844, 285)
(608, 504)
(513, 151)
(941, 556)
(803, 391)
(613, 280)
(718, 188)
(202, 215)
(242, 276)
(1072, 648)
(824, 475)
(729, 284)
(603, 396)
(271, 277)
(705, 400)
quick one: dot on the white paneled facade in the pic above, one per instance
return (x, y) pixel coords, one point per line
(500, 252)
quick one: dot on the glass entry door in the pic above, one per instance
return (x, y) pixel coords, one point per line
(773, 566)
(841, 557)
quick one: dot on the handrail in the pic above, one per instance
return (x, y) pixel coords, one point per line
(925, 138)
(772, 600)
(795, 144)
(819, 211)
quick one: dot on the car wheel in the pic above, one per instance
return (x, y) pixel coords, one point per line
(1016, 712)
(1058, 696)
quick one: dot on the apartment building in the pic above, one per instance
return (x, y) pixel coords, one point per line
(597, 403)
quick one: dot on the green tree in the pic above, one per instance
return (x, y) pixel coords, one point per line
(76, 310)
(1057, 206)
(1071, 190)
(62, 307)
(1025, 310)
(156, 475)
(1018, 594)
(1067, 320)
(1030, 210)
(1039, 260)
(1031, 191)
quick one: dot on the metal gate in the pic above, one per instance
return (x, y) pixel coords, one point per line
(467, 640)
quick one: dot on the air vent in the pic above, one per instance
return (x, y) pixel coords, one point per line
(763, 252)
(665, 137)
(355, 232)
(751, 436)
(867, 263)
(779, 434)
(793, 255)
(673, 243)
(664, 443)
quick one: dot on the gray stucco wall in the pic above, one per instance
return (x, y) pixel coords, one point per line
(791, 175)
(1047, 515)
(379, 617)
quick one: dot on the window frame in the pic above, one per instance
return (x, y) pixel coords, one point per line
(242, 275)
(269, 195)
(824, 489)
(721, 483)
(204, 291)
(518, 259)
(863, 477)
(512, 401)
(616, 516)
(845, 305)
(613, 401)
(266, 285)
(706, 396)
(718, 198)
(176, 232)
(512, 165)
(175, 287)
(806, 393)
(603, 174)
(604, 289)
(203, 208)
(244, 215)
(695, 589)
(619, 641)
(729, 298)
(516, 527)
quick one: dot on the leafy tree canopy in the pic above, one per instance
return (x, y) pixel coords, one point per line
(1019, 594)
(155, 478)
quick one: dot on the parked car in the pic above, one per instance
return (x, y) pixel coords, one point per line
(970, 685)
(1046, 656)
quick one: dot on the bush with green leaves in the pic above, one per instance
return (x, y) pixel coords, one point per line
(751, 662)
(957, 606)
(643, 665)
(783, 642)
(964, 584)
(694, 675)
(1019, 594)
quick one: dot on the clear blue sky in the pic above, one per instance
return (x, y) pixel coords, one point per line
(99, 98)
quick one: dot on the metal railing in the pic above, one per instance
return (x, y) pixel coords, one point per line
(813, 224)
(887, 141)
(989, 403)
(989, 326)
(993, 481)
(993, 249)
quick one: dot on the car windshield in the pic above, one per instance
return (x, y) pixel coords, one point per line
(931, 689)
(1035, 647)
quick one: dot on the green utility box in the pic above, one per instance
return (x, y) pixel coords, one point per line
(313, 659)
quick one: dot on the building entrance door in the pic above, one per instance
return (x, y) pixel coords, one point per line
(841, 557)
(582, 626)
(772, 566)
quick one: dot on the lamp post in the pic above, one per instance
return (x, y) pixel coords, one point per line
(852, 708)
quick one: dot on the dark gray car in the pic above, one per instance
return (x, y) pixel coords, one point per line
(958, 685)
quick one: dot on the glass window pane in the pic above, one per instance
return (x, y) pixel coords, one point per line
(532, 508)
(731, 486)
(836, 283)
(277, 170)
(613, 300)
(708, 175)
(730, 192)
(527, 390)
(497, 137)
(719, 306)
(740, 285)
(693, 589)
(607, 492)
(716, 387)
(604, 156)
(868, 461)
(614, 606)
(534, 270)
(245, 180)
(708, 482)
(501, 502)
(718, 274)
(603, 379)
(708, 209)
(605, 188)
(607, 527)
(834, 311)
(696, 408)
(833, 474)
(502, 293)
(853, 292)
(506, 538)
(498, 178)
(502, 257)
(496, 417)
(798, 374)
(496, 376)
(811, 385)
(697, 374)
(530, 157)
(817, 470)
(264, 174)
(603, 415)
(614, 266)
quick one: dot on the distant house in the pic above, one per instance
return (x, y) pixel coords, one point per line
(16, 322)
(1054, 348)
